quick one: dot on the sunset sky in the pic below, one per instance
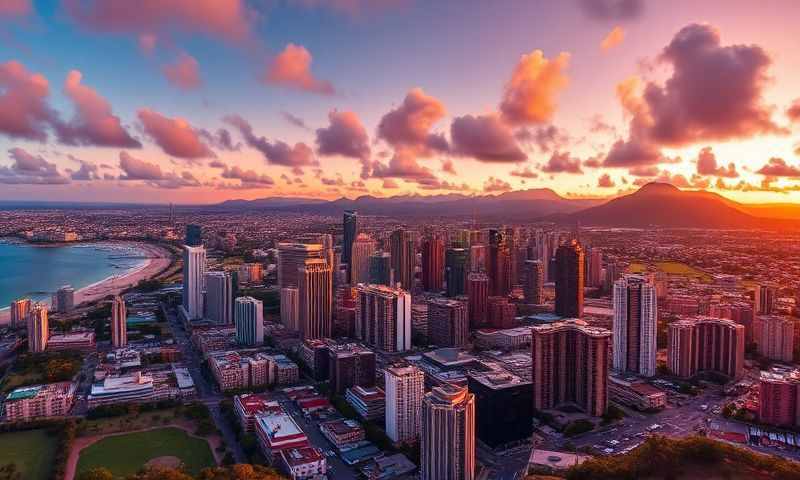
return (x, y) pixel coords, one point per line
(198, 101)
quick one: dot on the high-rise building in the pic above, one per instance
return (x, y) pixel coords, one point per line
(569, 280)
(194, 271)
(404, 387)
(477, 258)
(448, 324)
(119, 323)
(502, 313)
(764, 299)
(344, 321)
(594, 275)
(219, 297)
(38, 329)
(570, 366)
(404, 258)
(315, 299)
(779, 398)
(504, 407)
(249, 319)
(350, 365)
(350, 230)
(362, 249)
(456, 266)
(383, 317)
(292, 256)
(478, 297)
(290, 308)
(250, 273)
(775, 337)
(533, 281)
(65, 299)
(447, 447)
(635, 325)
(20, 309)
(460, 239)
(194, 236)
(498, 264)
(705, 344)
(432, 264)
(380, 269)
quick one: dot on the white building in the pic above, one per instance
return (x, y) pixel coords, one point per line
(249, 318)
(383, 317)
(635, 325)
(119, 323)
(194, 269)
(219, 297)
(405, 389)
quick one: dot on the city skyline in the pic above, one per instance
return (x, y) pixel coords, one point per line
(237, 98)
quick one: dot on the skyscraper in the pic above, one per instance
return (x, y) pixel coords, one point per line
(194, 236)
(380, 269)
(20, 309)
(432, 264)
(65, 299)
(249, 319)
(405, 387)
(764, 299)
(478, 295)
(775, 337)
(404, 257)
(569, 280)
(533, 284)
(447, 447)
(362, 249)
(349, 232)
(383, 317)
(705, 344)
(448, 324)
(501, 312)
(219, 297)
(456, 265)
(595, 270)
(194, 270)
(635, 325)
(570, 366)
(292, 256)
(119, 323)
(315, 299)
(290, 308)
(498, 264)
(38, 329)
(477, 258)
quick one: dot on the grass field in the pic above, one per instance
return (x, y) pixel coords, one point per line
(126, 454)
(32, 451)
(671, 268)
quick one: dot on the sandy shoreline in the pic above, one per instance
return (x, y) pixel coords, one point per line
(158, 259)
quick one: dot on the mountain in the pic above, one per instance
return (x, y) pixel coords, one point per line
(270, 202)
(664, 205)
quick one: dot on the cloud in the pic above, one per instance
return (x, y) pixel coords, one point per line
(15, 8)
(184, 73)
(644, 171)
(613, 39)
(530, 95)
(94, 123)
(174, 135)
(526, 173)
(87, 171)
(496, 185)
(707, 165)
(277, 153)
(403, 164)
(793, 112)
(29, 169)
(294, 120)
(247, 177)
(409, 125)
(221, 140)
(777, 167)
(345, 136)
(545, 138)
(147, 43)
(136, 169)
(485, 137)
(633, 153)
(436, 184)
(24, 112)
(612, 9)
(449, 167)
(228, 19)
(389, 183)
(605, 181)
(332, 181)
(292, 68)
(678, 180)
(351, 8)
(562, 162)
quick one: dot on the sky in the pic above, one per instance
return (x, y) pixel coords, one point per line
(199, 101)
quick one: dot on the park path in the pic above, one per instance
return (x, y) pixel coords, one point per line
(83, 442)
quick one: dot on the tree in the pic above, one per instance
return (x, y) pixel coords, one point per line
(9, 472)
(96, 474)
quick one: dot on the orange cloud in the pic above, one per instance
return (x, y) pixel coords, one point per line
(292, 68)
(184, 73)
(613, 39)
(530, 94)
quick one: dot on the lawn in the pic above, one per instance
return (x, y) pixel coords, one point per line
(671, 268)
(32, 451)
(126, 454)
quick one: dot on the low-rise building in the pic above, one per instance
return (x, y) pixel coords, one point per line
(304, 463)
(506, 339)
(39, 401)
(368, 402)
(342, 432)
(632, 392)
(249, 405)
(277, 431)
(83, 341)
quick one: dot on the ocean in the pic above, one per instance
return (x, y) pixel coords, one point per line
(36, 272)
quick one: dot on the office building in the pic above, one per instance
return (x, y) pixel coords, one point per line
(290, 308)
(292, 256)
(705, 344)
(775, 337)
(635, 325)
(477, 258)
(219, 297)
(570, 366)
(448, 323)
(433, 264)
(119, 323)
(404, 388)
(498, 264)
(478, 298)
(350, 365)
(368, 402)
(456, 266)
(503, 407)
(383, 317)
(501, 312)
(64, 299)
(779, 398)
(404, 257)
(764, 299)
(315, 299)
(38, 329)
(533, 281)
(249, 319)
(569, 280)
(250, 273)
(447, 447)
(19, 311)
(194, 236)
(194, 271)
(362, 249)
(350, 230)
(380, 269)
(594, 270)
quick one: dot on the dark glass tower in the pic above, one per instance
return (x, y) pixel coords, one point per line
(456, 268)
(350, 223)
(569, 280)
(194, 235)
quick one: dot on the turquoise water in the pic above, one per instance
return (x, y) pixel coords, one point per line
(38, 271)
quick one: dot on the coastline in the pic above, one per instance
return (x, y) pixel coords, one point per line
(158, 260)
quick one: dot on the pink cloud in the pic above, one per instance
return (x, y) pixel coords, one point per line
(24, 112)
(247, 177)
(344, 136)
(403, 164)
(292, 68)
(707, 165)
(277, 152)
(793, 112)
(496, 185)
(530, 94)
(174, 135)
(614, 38)
(777, 167)
(30, 169)
(184, 73)
(136, 169)
(409, 124)
(14, 8)
(562, 162)
(605, 181)
(485, 137)
(524, 173)
(147, 43)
